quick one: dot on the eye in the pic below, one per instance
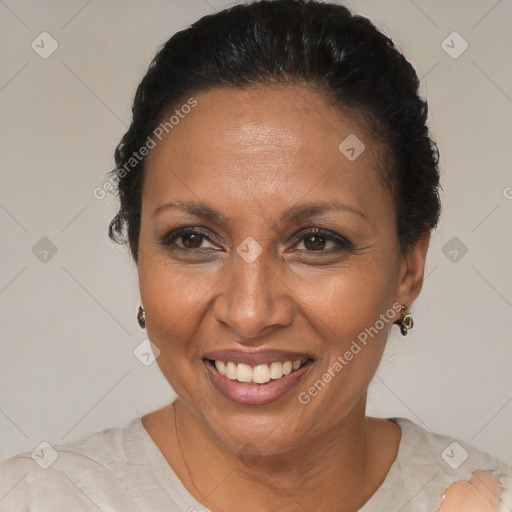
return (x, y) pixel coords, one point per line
(190, 239)
(316, 239)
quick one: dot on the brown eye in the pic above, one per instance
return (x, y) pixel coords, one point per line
(315, 241)
(190, 239)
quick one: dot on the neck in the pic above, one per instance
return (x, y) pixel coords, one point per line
(328, 471)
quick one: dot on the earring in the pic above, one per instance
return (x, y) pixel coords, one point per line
(406, 321)
(141, 317)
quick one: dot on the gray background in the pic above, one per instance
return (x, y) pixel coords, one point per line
(67, 366)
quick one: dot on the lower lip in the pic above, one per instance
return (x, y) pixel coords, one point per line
(256, 394)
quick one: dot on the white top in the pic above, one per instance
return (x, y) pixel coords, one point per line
(122, 469)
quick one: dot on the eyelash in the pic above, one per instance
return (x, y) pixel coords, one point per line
(343, 244)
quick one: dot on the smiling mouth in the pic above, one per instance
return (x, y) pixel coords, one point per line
(259, 374)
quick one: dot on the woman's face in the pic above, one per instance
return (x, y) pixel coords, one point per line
(290, 253)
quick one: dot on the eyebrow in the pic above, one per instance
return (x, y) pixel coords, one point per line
(295, 213)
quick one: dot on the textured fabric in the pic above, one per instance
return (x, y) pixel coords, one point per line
(122, 469)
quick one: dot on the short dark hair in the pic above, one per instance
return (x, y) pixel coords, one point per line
(321, 45)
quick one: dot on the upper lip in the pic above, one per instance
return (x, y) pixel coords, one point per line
(254, 358)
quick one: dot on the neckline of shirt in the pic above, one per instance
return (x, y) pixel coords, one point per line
(170, 482)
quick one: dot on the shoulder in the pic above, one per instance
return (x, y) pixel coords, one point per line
(447, 454)
(63, 476)
(483, 492)
(469, 478)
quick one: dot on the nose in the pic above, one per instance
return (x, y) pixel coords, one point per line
(254, 300)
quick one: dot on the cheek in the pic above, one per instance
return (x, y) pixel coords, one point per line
(352, 299)
(173, 298)
(168, 289)
(352, 331)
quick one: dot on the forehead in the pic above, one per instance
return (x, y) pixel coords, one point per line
(264, 143)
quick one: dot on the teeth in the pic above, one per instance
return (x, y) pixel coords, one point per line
(287, 367)
(231, 371)
(276, 370)
(243, 373)
(221, 367)
(260, 374)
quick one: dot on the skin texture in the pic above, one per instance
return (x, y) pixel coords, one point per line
(252, 154)
(479, 494)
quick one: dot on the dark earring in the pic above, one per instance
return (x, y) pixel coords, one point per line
(406, 322)
(141, 317)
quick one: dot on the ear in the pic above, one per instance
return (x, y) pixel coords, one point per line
(411, 271)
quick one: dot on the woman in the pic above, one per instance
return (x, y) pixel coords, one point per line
(278, 186)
